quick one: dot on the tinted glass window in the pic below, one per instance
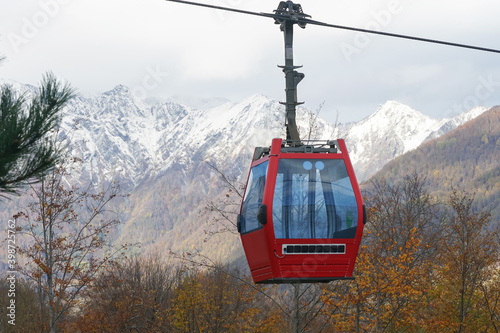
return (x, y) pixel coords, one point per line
(314, 199)
(253, 198)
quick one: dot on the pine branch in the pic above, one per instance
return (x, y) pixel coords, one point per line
(27, 148)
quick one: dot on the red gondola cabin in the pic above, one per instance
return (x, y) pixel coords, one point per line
(302, 215)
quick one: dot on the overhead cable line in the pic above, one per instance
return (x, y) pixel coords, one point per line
(313, 22)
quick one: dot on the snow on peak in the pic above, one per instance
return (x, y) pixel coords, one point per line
(396, 112)
(395, 118)
(392, 130)
(471, 114)
(118, 90)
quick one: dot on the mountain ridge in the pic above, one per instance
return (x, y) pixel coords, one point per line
(158, 153)
(466, 158)
(396, 129)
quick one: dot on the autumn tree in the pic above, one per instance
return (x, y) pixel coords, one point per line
(467, 279)
(132, 295)
(151, 294)
(26, 151)
(394, 265)
(302, 306)
(212, 301)
(490, 291)
(222, 211)
(65, 229)
(210, 286)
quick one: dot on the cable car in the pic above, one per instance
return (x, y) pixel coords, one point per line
(302, 215)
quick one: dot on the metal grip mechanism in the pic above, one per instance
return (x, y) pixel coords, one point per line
(290, 11)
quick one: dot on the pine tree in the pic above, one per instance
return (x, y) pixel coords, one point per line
(26, 150)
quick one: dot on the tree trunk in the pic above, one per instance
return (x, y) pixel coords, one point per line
(358, 315)
(296, 310)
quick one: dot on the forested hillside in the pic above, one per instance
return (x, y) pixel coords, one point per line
(467, 158)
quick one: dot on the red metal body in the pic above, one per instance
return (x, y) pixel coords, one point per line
(274, 257)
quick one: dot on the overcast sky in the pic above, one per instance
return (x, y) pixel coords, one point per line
(164, 49)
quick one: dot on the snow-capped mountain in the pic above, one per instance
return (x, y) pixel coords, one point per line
(157, 151)
(120, 138)
(125, 139)
(393, 130)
